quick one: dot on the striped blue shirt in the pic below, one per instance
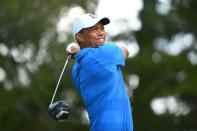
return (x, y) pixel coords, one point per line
(98, 78)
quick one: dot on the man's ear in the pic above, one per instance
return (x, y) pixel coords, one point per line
(79, 37)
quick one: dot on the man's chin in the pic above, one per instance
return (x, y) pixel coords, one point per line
(102, 43)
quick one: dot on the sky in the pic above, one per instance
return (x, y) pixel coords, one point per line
(122, 19)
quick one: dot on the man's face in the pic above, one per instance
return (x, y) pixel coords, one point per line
(93, 36)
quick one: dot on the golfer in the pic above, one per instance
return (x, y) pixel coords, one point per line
(97, 75)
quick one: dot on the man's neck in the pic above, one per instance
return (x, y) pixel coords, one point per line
(83, 45)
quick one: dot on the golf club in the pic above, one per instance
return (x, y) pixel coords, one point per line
(59, 110)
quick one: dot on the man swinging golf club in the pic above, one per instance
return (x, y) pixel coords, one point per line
(97, 75)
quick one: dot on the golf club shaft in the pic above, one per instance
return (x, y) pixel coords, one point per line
(65, 65)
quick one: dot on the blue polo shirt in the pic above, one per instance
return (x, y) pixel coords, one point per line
(97, 76)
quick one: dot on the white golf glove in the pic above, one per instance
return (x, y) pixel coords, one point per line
(72, 49)
(71, 46)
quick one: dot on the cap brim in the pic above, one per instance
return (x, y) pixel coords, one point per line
(105, 21)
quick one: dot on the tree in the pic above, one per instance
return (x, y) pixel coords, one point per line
(31, 59)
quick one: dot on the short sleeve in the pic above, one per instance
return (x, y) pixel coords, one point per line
(109, 55)
(112, 53)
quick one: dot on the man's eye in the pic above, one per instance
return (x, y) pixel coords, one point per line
(94, 28)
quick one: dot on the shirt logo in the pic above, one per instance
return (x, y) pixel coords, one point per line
(93, 16)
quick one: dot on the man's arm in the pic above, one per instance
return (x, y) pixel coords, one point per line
(124, 50)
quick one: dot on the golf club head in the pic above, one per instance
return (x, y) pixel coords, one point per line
(59, 110)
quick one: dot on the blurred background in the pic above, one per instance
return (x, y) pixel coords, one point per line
(160, 75)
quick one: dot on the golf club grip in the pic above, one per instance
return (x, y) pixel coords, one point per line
(69, 57)
(65, 65)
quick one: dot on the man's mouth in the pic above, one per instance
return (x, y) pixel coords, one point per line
(100, 38)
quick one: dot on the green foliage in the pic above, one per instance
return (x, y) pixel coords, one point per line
(30, 24)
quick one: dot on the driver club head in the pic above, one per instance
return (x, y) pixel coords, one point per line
(59, 110)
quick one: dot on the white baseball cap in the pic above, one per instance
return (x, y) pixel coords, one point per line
(86, 21)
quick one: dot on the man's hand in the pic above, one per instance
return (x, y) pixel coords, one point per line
(72, 49)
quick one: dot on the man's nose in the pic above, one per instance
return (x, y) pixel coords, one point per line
(101, 32)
